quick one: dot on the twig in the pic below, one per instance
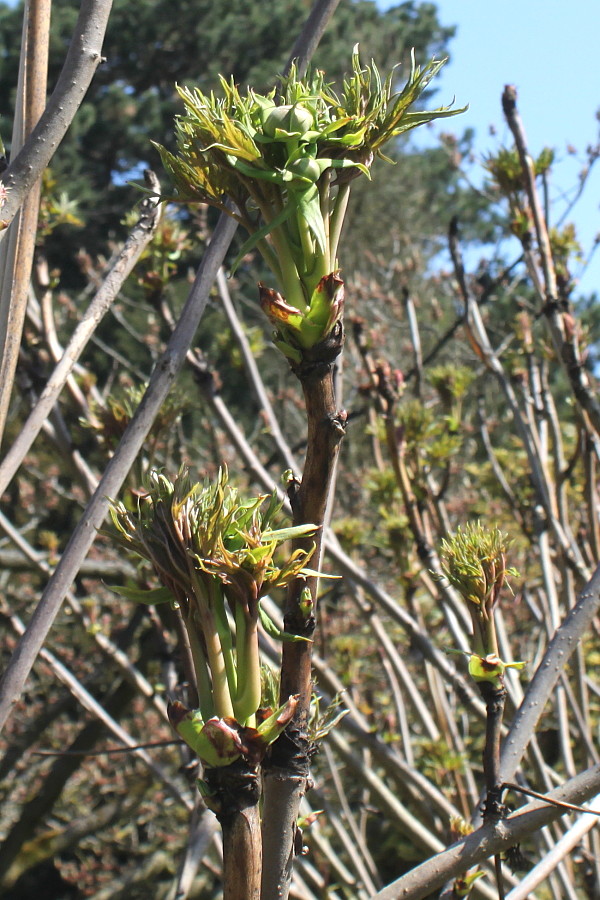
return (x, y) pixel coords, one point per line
(313, 30)
(318, 842)
(560, 320)
(415, 337)
(559, 851)
(495, 699)
(253, 372)
(420, 836)
(509, 786)
(489, 840)
(555, 659)
(81, 62)
(92, 705)
(130, 672)
(482, 347)
(140, 235)
(357, 850)
(16, 254)
(116, 471)
(108, 751)
(200, 833)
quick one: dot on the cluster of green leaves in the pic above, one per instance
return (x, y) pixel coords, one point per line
(281, 163)
(474, 562)
(207, 545)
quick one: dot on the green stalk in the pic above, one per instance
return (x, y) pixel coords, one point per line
(491, 641)
(214, 651)
(307, 241)
(485, 641)
(292, 285)
(220, 685)
(286, 270)
(248, 698)
(328, 260)
(479, 642)
(203, 682)
(224, 632)
(337, 220)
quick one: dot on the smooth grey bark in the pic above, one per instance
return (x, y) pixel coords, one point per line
(557, 655)
(489, 840)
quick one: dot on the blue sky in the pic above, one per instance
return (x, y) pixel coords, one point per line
(550, 50)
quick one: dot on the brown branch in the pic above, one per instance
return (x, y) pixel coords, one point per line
(286, 772)
(235, 791)
(17, 253)
(81, 62)
(492, 838)
(560, 320)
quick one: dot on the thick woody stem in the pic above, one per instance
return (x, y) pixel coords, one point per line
(286, 773)
(325, 429)
(235, 792)
(495, 697)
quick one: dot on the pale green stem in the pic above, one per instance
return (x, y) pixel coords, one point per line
(307, 242)
(214, 651)
(225, 637)
(287, 271)
(325, 202)
(216, 661)
(337, 221)
(292, 284)
(203, 682)
(484, 634)
(248, 666)
(491, 640)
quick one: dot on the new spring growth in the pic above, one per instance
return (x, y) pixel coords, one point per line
(474, 562)
(285, 162)
(213, 551)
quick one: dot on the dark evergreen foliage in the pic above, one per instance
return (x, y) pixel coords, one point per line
(153, 44)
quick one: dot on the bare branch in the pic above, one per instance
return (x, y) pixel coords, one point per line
(92, 705)
(556, 657)
(488, 840)
(82, 59)
(16, 254)
(84, 534)
(131, 251)
(312, 32)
